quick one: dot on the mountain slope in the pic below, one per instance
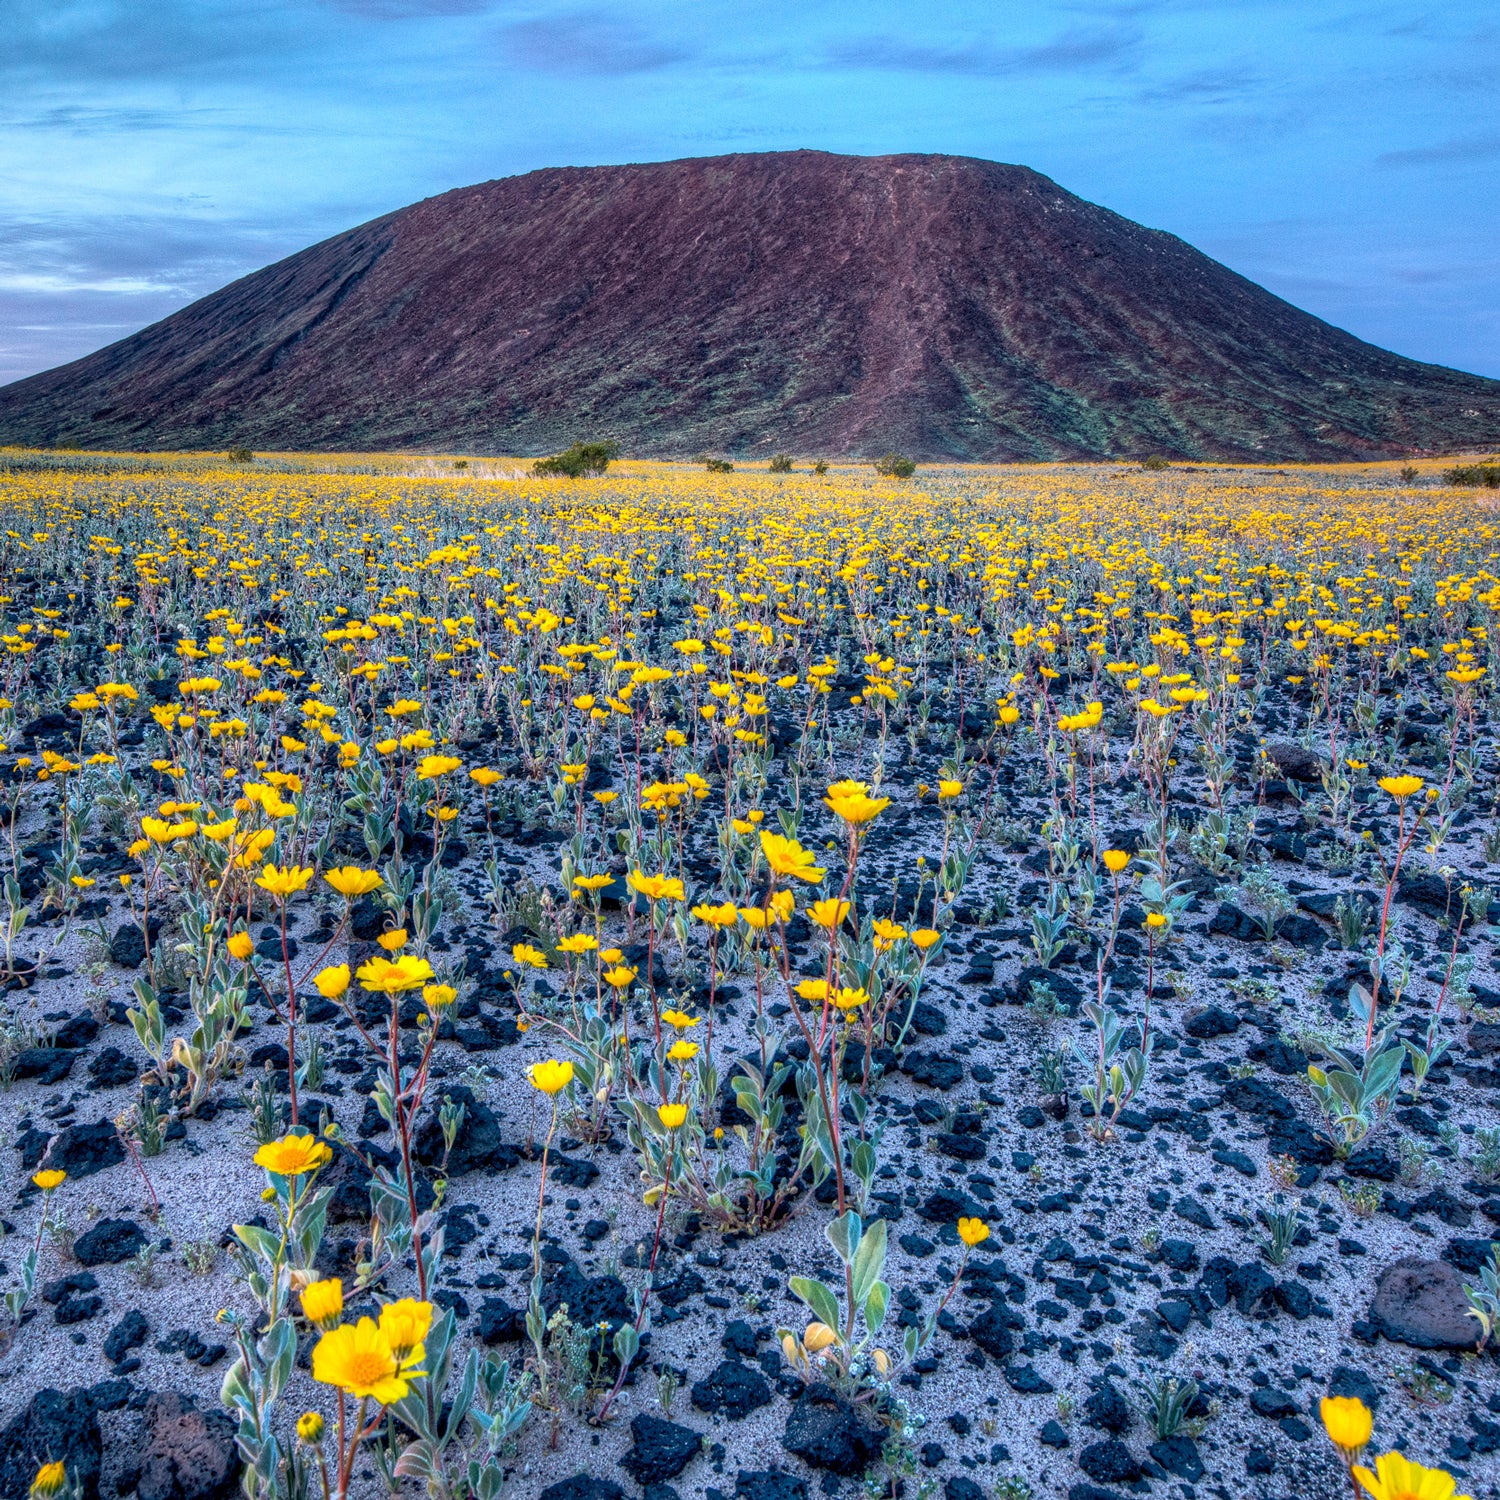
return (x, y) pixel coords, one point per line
(945, 306)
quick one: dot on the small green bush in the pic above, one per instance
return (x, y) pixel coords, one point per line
(781, 463)
(1155, 463)
(718, 466)
(240, 455)
(895, 466)
(1477, 476)
(581, 461)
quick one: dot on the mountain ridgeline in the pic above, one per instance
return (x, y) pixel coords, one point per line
(796, 301)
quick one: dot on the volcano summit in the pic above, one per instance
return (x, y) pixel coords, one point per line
(945, 306)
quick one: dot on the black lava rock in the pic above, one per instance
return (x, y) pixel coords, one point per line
(1178, 1455)
(660, 1450)
(1108, 1410)
(184, 1453)
(991, 1331)
(582, 1487)
(127, 947)
(738, 1338)
(499, 1322)
(109, 1242)
(82, 1150)
(1110, 1462)
(937, 1070)
(1347, 1382)
(826, 1432)
(1179, 1255)
(768, 1484)
(54, 1425)
(477, 1147)
(1026, 1380)
(732, 1388)
(47, 1065)
(129, 1333)
(1211, 1021)
(1273, 1403)
(110, 1068)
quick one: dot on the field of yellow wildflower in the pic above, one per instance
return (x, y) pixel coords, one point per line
(746, 984)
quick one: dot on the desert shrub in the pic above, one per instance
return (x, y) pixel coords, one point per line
(781, 463)
(581, 461)
(1155, 462)
(718, 466)
(1476, 476)
(895, 466)
(240, 455)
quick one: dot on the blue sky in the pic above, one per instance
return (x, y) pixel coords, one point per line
(1347, 156)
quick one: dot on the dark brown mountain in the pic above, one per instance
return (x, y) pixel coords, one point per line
(944, 306)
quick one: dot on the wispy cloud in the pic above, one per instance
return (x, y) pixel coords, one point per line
(83, 119)
(408, 10)
(115, 40)
(1477, 148)
(1069, 51)
(127, 254)
(1222, 85)
(589, 42)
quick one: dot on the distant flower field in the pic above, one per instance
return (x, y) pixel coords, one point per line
(967, 984)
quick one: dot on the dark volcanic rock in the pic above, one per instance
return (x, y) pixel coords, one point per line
(1296, 762)
(661, 1449)
(53, 1425)
(109, 1242)
(499, 1322)
(1347, 1382)
(47, 1065)
(1273, 1403)
(82, 1150)
(1110, 1462)
(1210, 1021)
(127, 945)
(826, 1432)
(129, 1333)
(991, 1331)
(768, 1484)
(582, 1487)
(476, 1148)
(1421, 1303)
(1230, 921)
(936, 1069)
(734, 1389)
(1469, 1256)
(1178, 1455)
(186, 1454)
(1372, 1162)
(1108, 1410)
(110, 1068)
(942, 305)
